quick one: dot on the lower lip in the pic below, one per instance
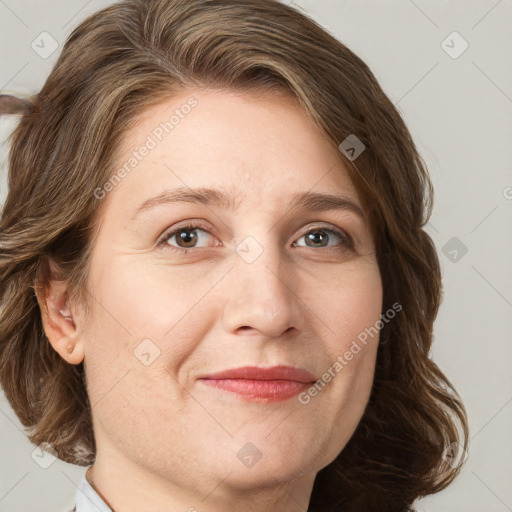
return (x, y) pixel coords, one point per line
(267, 390)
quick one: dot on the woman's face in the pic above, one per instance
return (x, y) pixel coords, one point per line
(249, 276)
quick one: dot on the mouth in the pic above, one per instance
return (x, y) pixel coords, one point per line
(261, 384)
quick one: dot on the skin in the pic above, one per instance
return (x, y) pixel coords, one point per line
(165, 440)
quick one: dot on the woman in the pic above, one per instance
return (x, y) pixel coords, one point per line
(217, 292)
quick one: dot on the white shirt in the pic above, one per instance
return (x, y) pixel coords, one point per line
(88, 500)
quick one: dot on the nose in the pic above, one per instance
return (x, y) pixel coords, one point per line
(260, 297)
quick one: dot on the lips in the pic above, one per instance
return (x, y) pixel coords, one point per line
(287, 373)
(261, 384)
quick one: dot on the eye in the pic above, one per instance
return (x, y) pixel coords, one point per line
(186, 237)
(320, 237)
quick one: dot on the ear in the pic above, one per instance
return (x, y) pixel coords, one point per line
(59, 316)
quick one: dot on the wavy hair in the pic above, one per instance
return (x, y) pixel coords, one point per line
(135, 54)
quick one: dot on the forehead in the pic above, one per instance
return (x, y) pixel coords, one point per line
(256, 147)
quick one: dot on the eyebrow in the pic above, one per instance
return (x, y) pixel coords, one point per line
(311, 201)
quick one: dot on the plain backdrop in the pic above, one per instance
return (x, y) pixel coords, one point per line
(455, 94)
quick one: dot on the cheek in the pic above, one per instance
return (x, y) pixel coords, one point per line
(352, 305)
(139, 327)
(139, 301)
(351, 316)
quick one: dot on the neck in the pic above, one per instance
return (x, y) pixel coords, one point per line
(89, 479)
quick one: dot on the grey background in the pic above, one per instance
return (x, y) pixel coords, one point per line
(459, 111)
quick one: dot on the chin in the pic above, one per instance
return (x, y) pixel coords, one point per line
(263, 476)
(262, 465)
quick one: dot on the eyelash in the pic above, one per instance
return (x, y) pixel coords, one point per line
(346, 240)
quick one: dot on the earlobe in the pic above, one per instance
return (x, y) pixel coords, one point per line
(59, 323)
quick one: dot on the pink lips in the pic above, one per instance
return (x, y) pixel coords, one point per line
(255, 383)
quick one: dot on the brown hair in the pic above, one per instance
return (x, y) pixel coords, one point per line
(134, 54)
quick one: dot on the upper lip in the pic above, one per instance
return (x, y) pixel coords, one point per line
(269, 373)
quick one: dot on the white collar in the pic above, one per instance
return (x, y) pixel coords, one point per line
(88, 500)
